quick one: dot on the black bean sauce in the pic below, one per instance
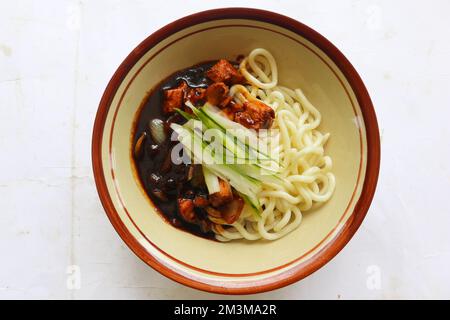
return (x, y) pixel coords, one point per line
(162, 180)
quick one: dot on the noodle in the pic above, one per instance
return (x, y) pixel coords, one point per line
(306, 171)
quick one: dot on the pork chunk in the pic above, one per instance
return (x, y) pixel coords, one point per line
(201, 201)
(223, 71)
(186, 209)
(255, 115)
(174, 98)
(217, 93)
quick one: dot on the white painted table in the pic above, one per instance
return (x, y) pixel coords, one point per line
(55, 61)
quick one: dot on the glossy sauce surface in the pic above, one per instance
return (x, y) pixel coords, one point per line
(153, 162)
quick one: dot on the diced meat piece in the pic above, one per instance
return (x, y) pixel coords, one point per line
(235, 106)
(223, 196)
(186, 209)
(226, 102)
(245, 119)
(255, 115)
(231, 109)
(232, 210)
(217, 93)
(201, 201)
(195, 95)
(173, 98)
(223, 71)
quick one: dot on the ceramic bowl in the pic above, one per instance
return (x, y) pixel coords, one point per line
(306, 60)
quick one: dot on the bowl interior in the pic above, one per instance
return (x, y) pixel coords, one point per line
(301, 65)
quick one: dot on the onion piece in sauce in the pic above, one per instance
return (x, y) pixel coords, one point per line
(157, 130)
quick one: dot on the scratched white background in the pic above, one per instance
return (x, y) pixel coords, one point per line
(56, 58)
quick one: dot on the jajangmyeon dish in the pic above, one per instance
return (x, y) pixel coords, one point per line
(227, 153)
